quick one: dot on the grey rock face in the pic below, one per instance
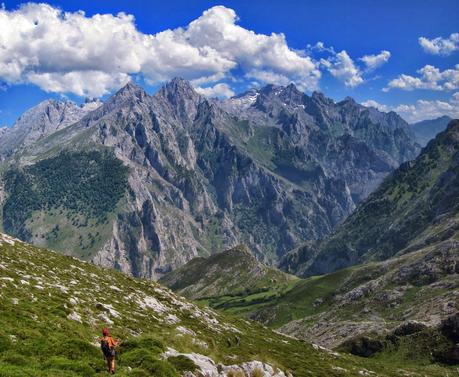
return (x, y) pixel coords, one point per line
(350, 142)
(270, 169)
(40, 121)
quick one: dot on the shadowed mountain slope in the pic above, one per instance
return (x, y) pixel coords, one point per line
(416, 206)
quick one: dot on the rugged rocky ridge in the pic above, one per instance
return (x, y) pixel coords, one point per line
(426, 130)
(234, 272)
(416, 206)
(204, 176)
(351, 142)
(40, 121)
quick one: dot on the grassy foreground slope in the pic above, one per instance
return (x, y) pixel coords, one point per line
(52, 308)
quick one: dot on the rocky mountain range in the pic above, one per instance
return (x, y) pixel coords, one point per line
(144, 183)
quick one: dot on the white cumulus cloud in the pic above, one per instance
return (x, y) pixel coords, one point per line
(71, 52)
(439, 45)
(376, 105)
(429, 77)
(221, 90)
(376, 61)
(344, 69)
(421, 109)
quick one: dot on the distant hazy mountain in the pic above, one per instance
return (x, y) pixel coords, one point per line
(145, 183)
(416, 206)
(40, 121)
(426, 130)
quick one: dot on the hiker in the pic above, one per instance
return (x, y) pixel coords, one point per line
(108, 344)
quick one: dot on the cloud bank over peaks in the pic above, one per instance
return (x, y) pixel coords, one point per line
(71, 52)
(421, 109)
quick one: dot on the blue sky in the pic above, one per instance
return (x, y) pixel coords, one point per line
(370, 50)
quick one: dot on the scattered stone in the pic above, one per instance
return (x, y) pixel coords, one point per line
(104, 317)
(317, 302)
(152, 303)
(185, 331)
(74, 316)
(172, 319)
(209, 368)
(73, 301)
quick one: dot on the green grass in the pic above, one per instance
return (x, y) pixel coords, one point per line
(38, 338)
(283, 303)
(235, 273)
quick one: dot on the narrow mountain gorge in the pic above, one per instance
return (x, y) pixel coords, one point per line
(270, 169)
(416, 206)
